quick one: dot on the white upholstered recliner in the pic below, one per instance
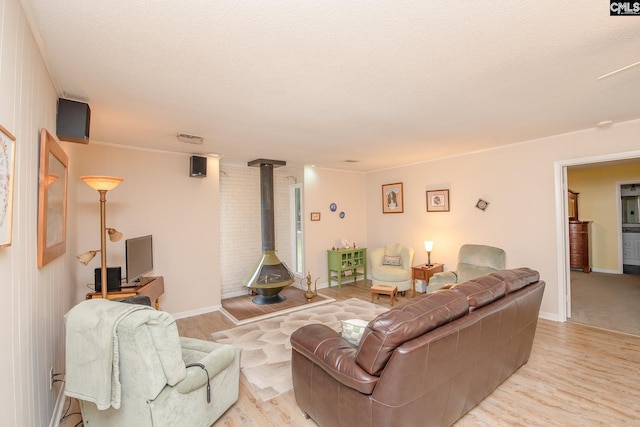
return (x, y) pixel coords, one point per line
(473, 261)
(128, 367)
(391, 265)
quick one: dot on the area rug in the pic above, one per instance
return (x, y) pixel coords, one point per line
(266, 350)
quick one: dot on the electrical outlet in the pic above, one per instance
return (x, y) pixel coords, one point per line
(51, 378)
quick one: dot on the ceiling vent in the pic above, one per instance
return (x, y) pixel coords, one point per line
(190, 139)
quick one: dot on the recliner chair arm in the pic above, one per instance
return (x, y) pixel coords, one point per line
(438, 280)
(218, 357)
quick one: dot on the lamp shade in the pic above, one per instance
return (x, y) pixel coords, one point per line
(114, 235)
(428, 245)
(87, 256)
(105, 183)
(51, 178)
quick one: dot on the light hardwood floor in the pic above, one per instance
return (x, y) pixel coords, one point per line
(577, 376)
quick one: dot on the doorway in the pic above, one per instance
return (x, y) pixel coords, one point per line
(561, 187)
(297, 231)
(630, 215)
(603, 295)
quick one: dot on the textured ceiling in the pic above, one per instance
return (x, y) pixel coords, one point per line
(321, 82)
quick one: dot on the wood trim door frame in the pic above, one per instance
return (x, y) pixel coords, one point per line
(562, 209)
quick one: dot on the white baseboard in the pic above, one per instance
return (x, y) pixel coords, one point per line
(323, 285)
(548, 316)
(57, 410)
(196, 312)
(602, 270)
(239, 293)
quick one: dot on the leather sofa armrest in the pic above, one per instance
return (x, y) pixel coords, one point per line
(336, 356)
(215, 357)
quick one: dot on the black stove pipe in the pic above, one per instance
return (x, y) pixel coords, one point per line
(267, 209)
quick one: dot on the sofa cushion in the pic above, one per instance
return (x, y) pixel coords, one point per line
(486, 289)
(517, 278)
(400, 324)
(481, 291)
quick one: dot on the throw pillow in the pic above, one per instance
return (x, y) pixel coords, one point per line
(393, 249)
(353, 329)
(391, 260)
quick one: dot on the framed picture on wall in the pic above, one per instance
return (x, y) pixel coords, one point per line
(392, 198)
(438, 201)
(315, 216)
(7, 160)
(52, 200)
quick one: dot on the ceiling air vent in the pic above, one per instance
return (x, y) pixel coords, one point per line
(190, 139)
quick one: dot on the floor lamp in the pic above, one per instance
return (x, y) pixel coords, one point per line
(102, 184)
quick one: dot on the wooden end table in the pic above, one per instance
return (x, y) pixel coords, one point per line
(391, 290)
(422, 272)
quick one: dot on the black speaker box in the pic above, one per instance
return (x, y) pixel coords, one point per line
(198, 166)
(114, 279)
(73, 119)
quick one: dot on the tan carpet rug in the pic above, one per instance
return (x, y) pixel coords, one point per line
(266, 350)
(608, 301)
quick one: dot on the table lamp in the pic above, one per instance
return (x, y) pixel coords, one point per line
(428, 246)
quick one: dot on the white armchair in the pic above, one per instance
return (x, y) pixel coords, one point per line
(127, 366)
(391, 265)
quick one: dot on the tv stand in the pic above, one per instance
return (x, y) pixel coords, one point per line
(142, 281)
(152, 287)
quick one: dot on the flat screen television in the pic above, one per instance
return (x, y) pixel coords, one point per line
(139, 258)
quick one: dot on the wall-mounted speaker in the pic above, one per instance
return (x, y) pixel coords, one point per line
(114, 279)
(73, 121)
(198, 166)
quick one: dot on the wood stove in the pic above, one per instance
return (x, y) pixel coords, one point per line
(270, 275)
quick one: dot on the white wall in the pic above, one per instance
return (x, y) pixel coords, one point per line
(239, 225)
(157, 197)
(518, 181)
(33, 300)
(321, 188)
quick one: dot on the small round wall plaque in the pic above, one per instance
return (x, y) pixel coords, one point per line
(482, 204)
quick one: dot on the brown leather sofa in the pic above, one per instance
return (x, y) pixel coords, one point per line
(426, 363)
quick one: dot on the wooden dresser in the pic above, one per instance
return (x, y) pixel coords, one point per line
(579, 245)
